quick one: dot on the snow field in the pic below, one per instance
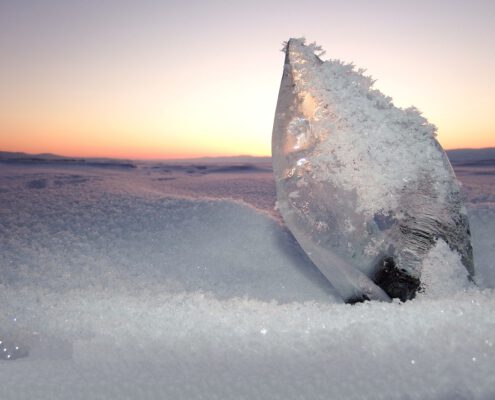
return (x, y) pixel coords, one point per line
(118, 291)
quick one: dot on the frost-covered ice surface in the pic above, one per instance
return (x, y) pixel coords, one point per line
(155, 282)
(363, 185)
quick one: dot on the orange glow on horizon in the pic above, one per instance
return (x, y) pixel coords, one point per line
(78, 79)
(220, 117)
(128, 147)
(145, 131)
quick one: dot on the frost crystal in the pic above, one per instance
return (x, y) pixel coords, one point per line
(363, 185)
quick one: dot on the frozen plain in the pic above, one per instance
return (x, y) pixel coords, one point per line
(180, 281)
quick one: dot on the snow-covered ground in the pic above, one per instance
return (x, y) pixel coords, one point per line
(179, 281)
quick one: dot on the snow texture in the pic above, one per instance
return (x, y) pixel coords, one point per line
(360, 183)
(118, 284)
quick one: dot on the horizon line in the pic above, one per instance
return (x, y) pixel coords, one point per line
(182, 157)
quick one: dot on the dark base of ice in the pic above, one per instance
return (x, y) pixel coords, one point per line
(396, 282)
(359, 299)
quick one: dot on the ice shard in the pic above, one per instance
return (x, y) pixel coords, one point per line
(363, 186)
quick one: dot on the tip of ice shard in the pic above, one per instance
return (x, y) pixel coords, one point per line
(363, 185)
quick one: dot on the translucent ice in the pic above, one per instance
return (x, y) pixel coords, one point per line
(363, 185)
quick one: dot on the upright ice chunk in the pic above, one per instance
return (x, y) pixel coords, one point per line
(364, 186)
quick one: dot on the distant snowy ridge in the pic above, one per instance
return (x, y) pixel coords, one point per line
(47, 158)
(456, 156)
(471, 156)
(7, 155)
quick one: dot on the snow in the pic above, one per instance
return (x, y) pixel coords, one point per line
(118, 284)
(443, 273)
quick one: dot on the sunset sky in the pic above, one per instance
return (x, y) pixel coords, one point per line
(159, 79)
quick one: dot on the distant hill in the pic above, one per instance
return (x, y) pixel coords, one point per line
(484, 156)
(47, 158)
(7, 155)
(242, 159)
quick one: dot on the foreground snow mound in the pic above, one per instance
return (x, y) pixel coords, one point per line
(64, 240)
(111, 344)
